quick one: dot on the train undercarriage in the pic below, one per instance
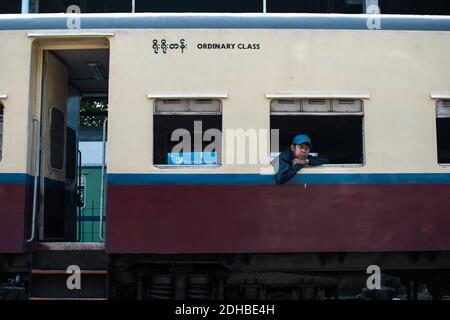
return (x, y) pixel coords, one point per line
(242, 276)
(287, 276)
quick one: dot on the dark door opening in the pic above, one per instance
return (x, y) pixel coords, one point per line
(68, 76)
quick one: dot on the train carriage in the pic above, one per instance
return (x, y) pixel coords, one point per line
(375, 101)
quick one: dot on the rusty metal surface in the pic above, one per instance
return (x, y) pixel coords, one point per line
(71, 246)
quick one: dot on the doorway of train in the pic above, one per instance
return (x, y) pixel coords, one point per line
(73, 135)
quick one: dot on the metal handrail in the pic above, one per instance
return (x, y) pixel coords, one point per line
(36, 177)
(80, 222)
(102, 184)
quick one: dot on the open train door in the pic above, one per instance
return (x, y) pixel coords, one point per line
(57, 208)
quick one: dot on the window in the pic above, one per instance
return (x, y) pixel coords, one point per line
(335, 126)
(315, 6)
(10, 6)
(199, 6)
(57, 128)
(71, 153)
(443, 131)
(93, 111)
(1, 131)
(432, 7)
(187, 132)
(288, 6)
(98, 6)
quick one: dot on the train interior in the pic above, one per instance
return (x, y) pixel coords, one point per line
(334, 125)
(443, 131)
(201, 118)
(339, 138)
(74, 110)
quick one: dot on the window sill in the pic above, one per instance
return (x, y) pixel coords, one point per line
(200, 166)
(343, 165)
(336, 165)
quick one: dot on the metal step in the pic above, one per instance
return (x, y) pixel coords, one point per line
(58, 256)
(50, 274)
(67, 299)
(71, 246)
(64, 272)
(52, 285)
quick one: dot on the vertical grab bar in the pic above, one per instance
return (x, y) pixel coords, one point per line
(80, 222)
(102, 184)
(37, 164)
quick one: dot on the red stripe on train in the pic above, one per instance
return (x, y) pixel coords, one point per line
(290, 218)
(15, 215)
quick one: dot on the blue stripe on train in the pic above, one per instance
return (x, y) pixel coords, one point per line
(24, 178)
(15, 178)
(252, 179)
(225, 21)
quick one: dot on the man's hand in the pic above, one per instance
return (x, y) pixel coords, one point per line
(298, 161)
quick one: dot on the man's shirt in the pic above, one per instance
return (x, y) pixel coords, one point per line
(284, 170)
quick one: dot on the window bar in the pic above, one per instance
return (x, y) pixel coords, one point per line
(25, 6)
(369, 3)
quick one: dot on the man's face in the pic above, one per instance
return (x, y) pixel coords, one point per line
(301, 151)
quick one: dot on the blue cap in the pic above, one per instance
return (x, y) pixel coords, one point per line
(301, 138)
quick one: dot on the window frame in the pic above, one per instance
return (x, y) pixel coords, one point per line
(328, 113)
(51, 167)
(438, 104)
(70, 131)
(2, 129)
(187, 113)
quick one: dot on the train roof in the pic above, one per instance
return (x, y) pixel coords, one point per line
(224, 21)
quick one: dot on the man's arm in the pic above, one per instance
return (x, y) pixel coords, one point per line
(315, 161)
(285, 169)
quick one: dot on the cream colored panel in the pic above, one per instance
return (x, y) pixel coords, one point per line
(398, 69)
(15, 56)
